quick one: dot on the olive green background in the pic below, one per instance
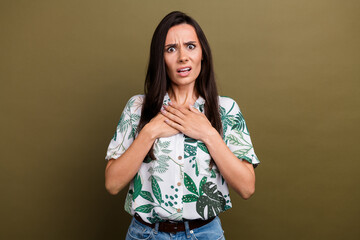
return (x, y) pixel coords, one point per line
(67, 69)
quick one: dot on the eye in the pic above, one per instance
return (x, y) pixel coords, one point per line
(191, 46)
(170, 49)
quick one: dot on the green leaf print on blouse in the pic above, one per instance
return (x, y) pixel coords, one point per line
(190, 198)
(200, 107)
(239, 140)
(202, 182)
(191, 147)
(239, 123)
(202, 146)
(235, 121)
(146, 195)
(145, 208)
(121, 124)
(213, 200)
(125, 124)
(207, 196)
(211, 171)
(156, 190)
(161, 164)
(190, 151)
(226, 118)
(118, 125)
(190, 184)
(128, 201)
(138, 189)
(236, 136)
(133, 118)
(155, 218)
(137, 186)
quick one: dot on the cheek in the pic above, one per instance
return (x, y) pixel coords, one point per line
(167, 67)
(198, 60)
(198, 57)
(168, 64)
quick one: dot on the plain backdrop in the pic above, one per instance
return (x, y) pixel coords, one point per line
(67, 69)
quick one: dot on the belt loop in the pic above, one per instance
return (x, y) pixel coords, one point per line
(187, 229)
(156, 228)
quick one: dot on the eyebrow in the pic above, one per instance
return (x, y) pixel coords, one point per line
(175, 44)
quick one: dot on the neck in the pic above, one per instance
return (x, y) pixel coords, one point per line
(183, 95)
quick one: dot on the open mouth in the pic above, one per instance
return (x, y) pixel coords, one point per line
(184, 71)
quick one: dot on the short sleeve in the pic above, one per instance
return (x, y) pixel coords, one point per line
(236, 134)
(125, 131)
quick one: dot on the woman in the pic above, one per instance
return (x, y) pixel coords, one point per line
(180, 144)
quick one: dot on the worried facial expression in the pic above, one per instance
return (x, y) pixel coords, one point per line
(182, 54)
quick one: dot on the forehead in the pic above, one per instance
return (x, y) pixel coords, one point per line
(182, 32)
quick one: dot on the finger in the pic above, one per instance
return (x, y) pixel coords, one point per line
(172, 116)
(193, 109)
(174, 111)
(174, 125)
(179, 107)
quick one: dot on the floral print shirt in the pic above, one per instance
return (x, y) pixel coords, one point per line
(179, 184)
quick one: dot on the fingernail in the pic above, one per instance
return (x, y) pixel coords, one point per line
(170, 103)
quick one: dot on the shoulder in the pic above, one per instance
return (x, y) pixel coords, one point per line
(137, 98)
(224, 101)
(134, 104)
(228, 104)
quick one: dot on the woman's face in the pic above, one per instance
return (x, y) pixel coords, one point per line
(182, 54)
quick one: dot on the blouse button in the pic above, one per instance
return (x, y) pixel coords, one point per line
(178, 210)
(179, 183)
(179, 157)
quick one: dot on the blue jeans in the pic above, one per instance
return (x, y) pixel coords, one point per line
(210, 231)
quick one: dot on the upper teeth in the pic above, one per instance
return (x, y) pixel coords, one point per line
(184, 69)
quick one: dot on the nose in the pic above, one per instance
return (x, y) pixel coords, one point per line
(183, 57)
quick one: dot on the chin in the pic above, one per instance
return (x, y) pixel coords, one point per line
(183, 82)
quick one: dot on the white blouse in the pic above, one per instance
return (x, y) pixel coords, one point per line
(179, 184)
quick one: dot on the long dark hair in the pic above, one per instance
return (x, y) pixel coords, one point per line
(157, 82)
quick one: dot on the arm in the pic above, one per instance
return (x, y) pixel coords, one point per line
(120, 171)
(240, 175)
